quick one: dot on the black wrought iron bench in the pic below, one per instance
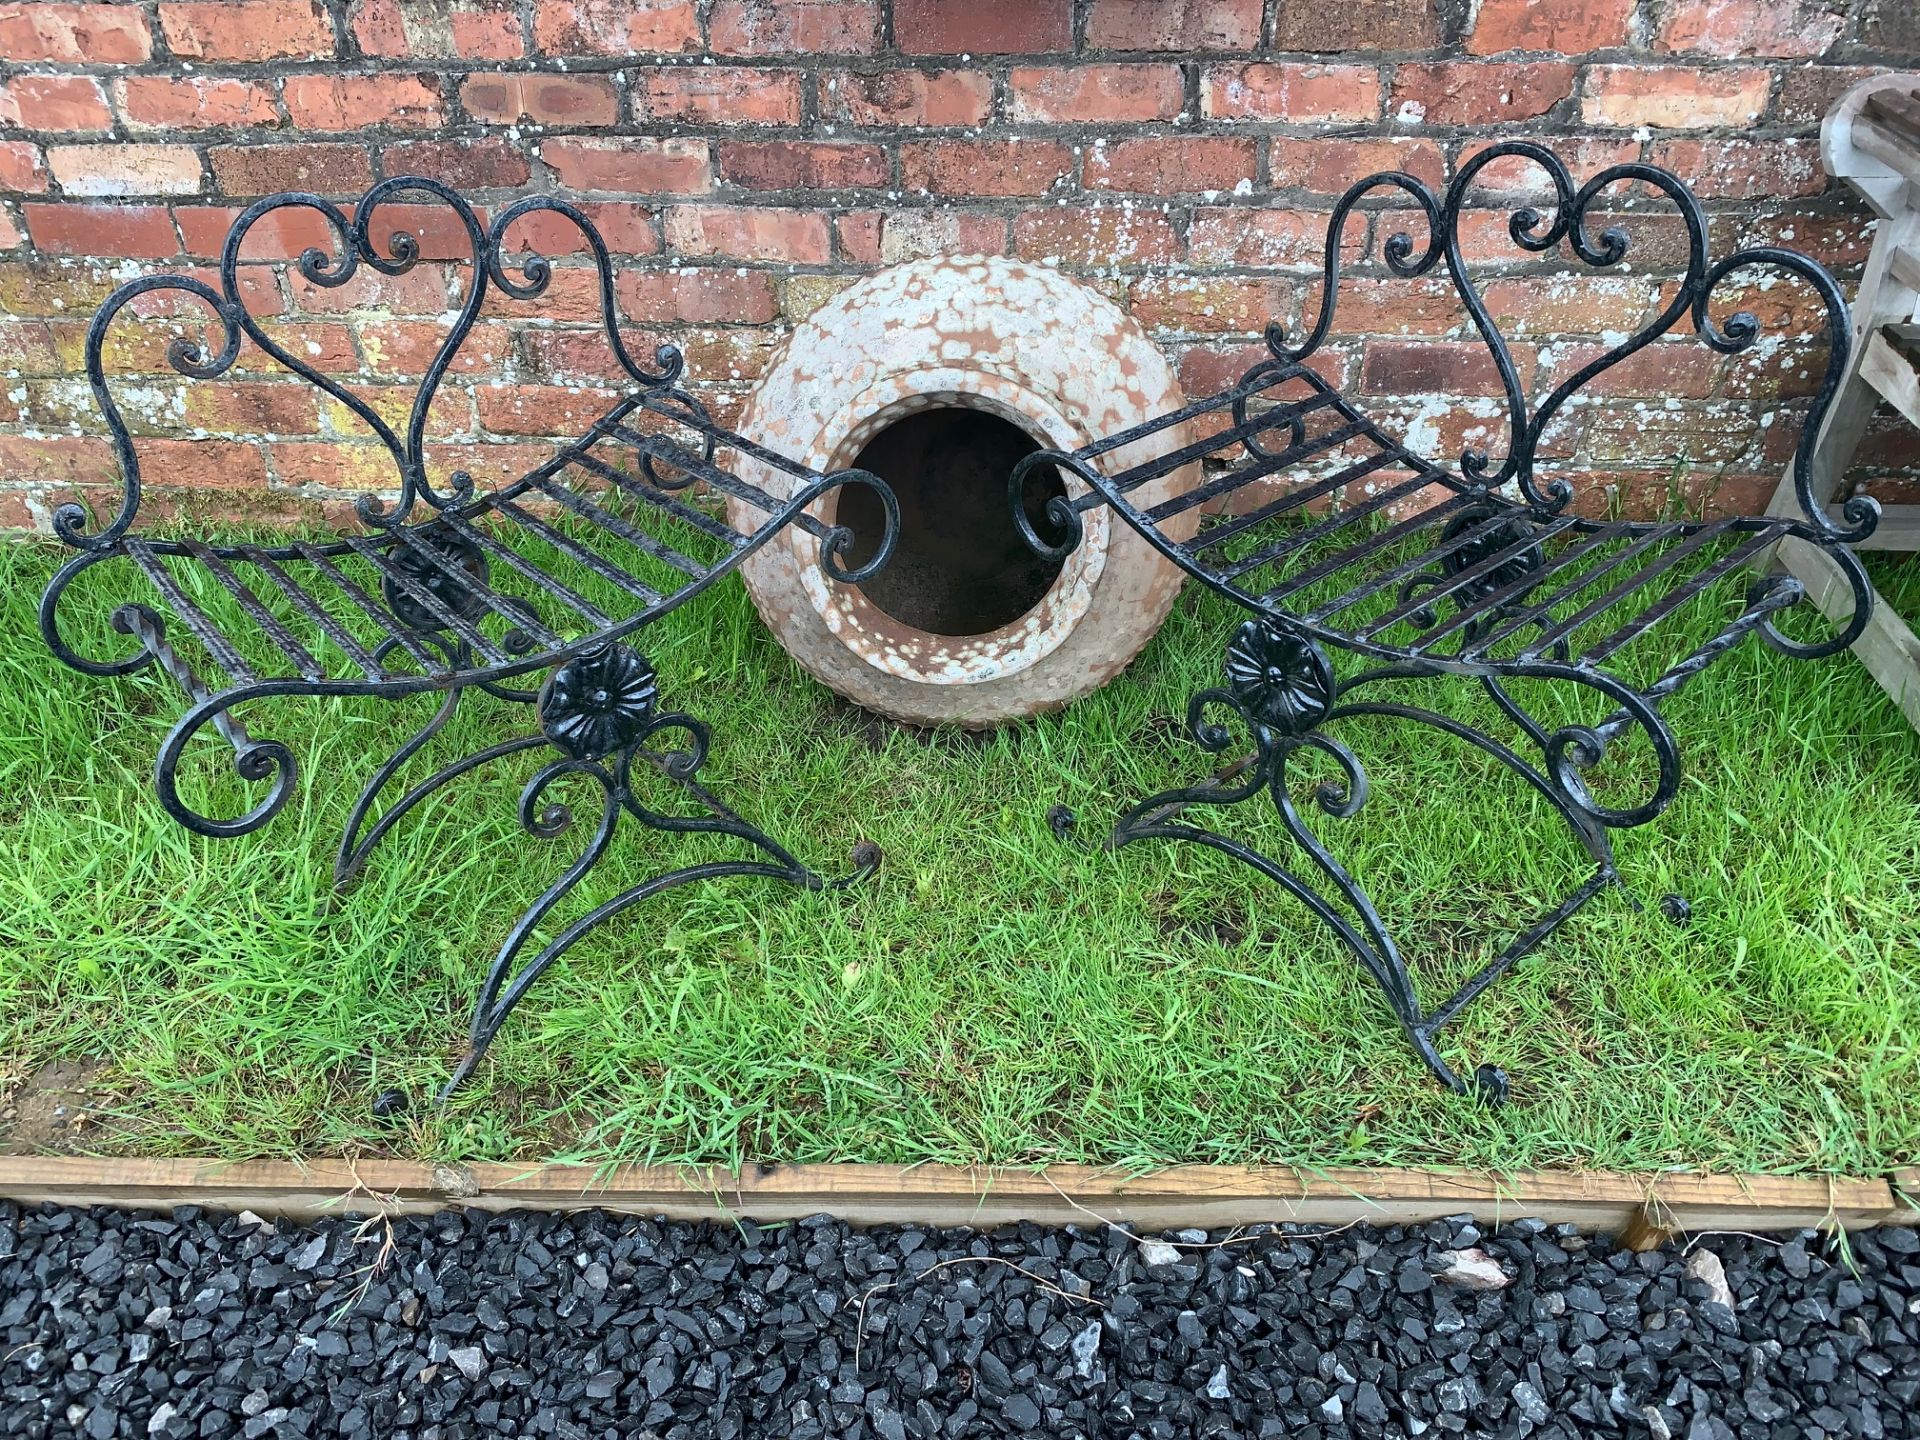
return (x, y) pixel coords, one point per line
(1492, 576)
(452, 589)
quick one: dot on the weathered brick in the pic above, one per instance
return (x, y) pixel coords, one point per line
(1183, 25)
(801, 295)
(507, 409)
(984, 167)
(408, 347)
(1477, 94)
(23, 169)
(481, 164)
(615, 27)
(627, 228)
(1357, 25)
(334, 464)
(1701, 435)
(74, 34)
(1568, 27)
(1557, 306)
(1738, 169)
(1329, 167)
(281, 234)
(706, 295)
(1095, 236)
(631, 164)
(1171, 166)
(193, 102)
(248, 30)
(801, 164)
(1794, 28)
(1368, 307)
(454, 29)
(265, 169)
(1683, 368)
(352, 102)
(721, 95)
(748, 233)
(1292, 92)
(1067, 94)
(787, 27)
(1805, 93)
(54, 102)
(1233, 235)
(1673, 97)
(26, 348)
(1208, 304)
(909, 97)
(915, 234)
(122, 169)
(982, 27)
(139, 232)
(510, 99)
(1425, 367)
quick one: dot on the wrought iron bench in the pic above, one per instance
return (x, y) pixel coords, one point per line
(455, 588)
(1492, 576)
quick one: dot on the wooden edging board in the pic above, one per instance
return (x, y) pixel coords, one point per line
(1646, 1208)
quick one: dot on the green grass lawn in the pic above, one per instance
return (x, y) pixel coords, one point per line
(991, 996)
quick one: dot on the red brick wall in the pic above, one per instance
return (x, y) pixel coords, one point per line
(748, 157)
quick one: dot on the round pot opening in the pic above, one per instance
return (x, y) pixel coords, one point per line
(959, 566)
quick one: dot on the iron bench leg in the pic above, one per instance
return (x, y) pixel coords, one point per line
(1281, 690)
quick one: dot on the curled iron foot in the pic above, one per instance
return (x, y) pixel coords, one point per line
(390, 1104)
(866, 859)
(1676, 908)
(1063, 823)
(1490, 1086)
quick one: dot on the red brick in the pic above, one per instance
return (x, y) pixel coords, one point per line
(709, 295)
(248, 408)
(352, 102)
(1428, 306)
(1796, 28)
(23, 169)
(721, 95)
(1415, 367)
(1265, 91)
(482, 164)
(264, 169)
(1236, 235)
(139, 232)
(1583, 155)
(200, 464)
(540, 409)
(54, 102)
(334, 465)
(1066, 94)
(463, 29)
(1329, 167)
(914, 234)
(1358, 25)
(1558, 306)
(437, 232)
(1477, 94)
(572, 296)
(248, 30)
(193, 102)
(631, 164)
(1836, 241)
(1155, 166)
(10, 233)
(1740, 169)
(615, 27)
(282, 234)
(1642, 434)
(1095, 235)
(510, 99)
(857, 236)
(744, 233)
(1806, 92)
(75, 34)
(787, 27)
(123, 169)
(26, 346)
(984, 167)
(627, 229)
(1569, 27)
(1183, 25)
(909, 97)
(1685, 369)
(982, 27)
(801, 165)
(1673, 97)
(1208, 304)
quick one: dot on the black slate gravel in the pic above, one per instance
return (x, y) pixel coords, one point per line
(586, 1326)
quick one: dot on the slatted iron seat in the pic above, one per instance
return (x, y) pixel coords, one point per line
(535, 591)
(1336, 536)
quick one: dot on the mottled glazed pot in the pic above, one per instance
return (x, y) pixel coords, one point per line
(1023, 343)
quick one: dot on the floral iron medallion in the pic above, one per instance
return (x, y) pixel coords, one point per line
(1282, 680)
(599, 702)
